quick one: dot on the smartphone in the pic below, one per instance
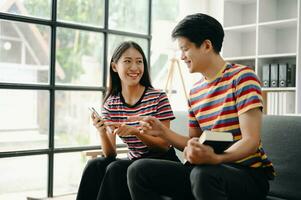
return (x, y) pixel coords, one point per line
(92, 109)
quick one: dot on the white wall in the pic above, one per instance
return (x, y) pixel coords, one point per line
(188, 7)
(163, 43)
(178, 100)
(215, 9)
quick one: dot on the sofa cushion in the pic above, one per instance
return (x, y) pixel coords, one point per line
(180, 123)
(180, 126)
(281, 137)
(274, 198)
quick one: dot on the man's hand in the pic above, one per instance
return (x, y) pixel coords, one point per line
(197, 153)
(122, 129)
(149, 125)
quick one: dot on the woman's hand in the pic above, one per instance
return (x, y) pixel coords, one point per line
(123, 130)
(149, 125)
(100, 124)
(97, 122)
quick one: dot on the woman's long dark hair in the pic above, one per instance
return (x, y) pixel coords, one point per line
(114, 87)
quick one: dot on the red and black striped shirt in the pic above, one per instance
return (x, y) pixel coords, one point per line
(153, 102)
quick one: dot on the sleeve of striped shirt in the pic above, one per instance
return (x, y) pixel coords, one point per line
(248, 91)
(164, 110)
(105, 111)
(193, 123)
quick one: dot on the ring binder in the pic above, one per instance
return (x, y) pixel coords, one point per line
(266, 75)
(274, 75)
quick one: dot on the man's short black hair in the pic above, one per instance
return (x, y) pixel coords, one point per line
(198, 28)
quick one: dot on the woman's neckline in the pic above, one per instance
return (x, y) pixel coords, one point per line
(135, 104)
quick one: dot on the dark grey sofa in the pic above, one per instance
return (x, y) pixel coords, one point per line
(281, 137)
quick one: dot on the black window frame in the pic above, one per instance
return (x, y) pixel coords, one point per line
(51, 87)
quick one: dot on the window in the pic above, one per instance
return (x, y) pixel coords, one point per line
(24, 119)
(80, 11)
(162, 45)
(73, 126)
(79, 55)
(24, 52)
(33, 8)
(23, 176)
(163, 50)
(135, 15)
(53, 66)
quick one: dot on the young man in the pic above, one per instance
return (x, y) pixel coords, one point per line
(227, 98)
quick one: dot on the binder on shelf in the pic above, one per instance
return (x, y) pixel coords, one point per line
(266, 75)
(268, 107)
(270, 103)
(283, 103)
(280, 102)
(276, 103)
(290, 103)
(286, 75)
(274, 75)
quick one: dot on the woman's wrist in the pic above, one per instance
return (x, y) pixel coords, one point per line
(101, 130)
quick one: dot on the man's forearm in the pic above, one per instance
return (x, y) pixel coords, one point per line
(154, 142)
(175, 139)
(241, 149)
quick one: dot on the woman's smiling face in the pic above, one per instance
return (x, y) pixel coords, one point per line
(130, 67)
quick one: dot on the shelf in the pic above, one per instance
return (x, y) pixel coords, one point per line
(279, 24)
(247, 61)
(279, 89)
(282, 55)
(271, 10)
(277, 40)
(241, 1)
(242, 28)
(269, 60)
(292, 114)
(240, 58)
(240, 43)
(266, 32)
(281, 102)
(277, 60)
(239, 12)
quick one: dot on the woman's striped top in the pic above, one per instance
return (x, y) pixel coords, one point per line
(153, 102)
(217, 104)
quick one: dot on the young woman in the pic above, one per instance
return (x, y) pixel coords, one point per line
(130, 93)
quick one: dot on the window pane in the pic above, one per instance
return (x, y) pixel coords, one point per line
(115, 40)
(68, 169)
(73, 126)
(162, 46)
(129, 15)
(24, 119)
(36, 8)
(164, 49)
(23, 177)
(81, 11)
(24, 52)
(79, 57)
